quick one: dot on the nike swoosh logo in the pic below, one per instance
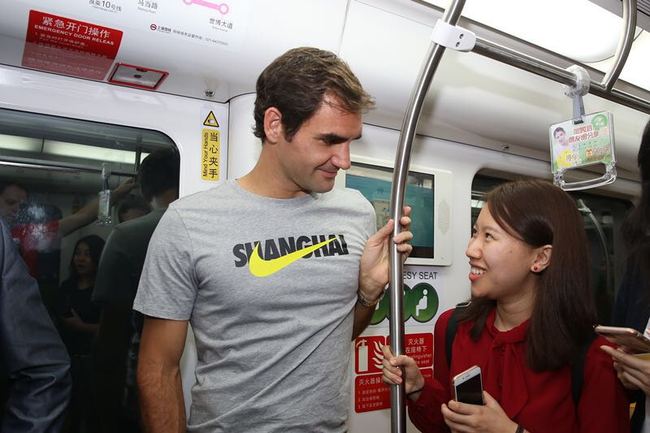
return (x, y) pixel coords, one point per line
(263, 268)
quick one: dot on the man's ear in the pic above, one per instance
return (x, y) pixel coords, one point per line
(542, 258)
(273, 128)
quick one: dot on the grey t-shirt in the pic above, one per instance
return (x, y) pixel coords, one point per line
(273, 349)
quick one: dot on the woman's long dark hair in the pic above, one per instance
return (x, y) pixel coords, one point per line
(636, 227)
(95, 246)
(539, 213)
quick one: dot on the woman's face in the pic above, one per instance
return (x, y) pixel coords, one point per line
(500, 264)
(82, 260)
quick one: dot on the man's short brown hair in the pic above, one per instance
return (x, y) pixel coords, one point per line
(296, 83)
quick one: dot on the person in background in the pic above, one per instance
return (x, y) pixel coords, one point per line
(79, 318)
(34, 365)
(12, 196)
(131, 207)
(34, 237)
(530, 318)
(632, 308)
(277, 271)
(116, 285)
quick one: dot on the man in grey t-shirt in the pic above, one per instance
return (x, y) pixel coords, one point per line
(276, 271)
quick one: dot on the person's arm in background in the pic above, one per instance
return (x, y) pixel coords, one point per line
(88, 213)
(159, 377)
(76, 323)
(33, 355)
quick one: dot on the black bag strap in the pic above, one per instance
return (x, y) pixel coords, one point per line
(450, 333)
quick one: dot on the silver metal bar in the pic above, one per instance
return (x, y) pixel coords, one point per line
(492, 43)
(402, 158)
(555, 73)
(55, 166)
(523, 61)
(609, 281)
(624, 44)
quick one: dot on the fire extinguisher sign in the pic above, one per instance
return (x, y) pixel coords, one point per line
(370, 393)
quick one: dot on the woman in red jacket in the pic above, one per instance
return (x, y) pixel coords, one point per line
(531, 312)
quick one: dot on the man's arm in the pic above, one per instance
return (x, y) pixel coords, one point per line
(159, 377)
(374, 269)
(88, 213)
(36, 361)
(362, 316)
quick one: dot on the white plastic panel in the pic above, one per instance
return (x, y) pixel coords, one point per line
(261, 30)
(246, 147)
(179, 118)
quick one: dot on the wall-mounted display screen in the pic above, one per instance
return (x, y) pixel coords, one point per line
(375, 184)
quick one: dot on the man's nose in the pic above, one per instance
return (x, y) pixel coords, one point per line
(341, 158)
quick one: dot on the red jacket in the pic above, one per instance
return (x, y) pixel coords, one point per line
(538, 401)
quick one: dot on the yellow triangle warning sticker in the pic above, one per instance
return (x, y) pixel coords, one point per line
(211, 120)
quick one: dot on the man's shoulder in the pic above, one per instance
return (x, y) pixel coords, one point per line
(348, 197)
(203, 199)
(133, 230)
(350, 202)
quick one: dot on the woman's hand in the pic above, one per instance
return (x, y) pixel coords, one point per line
(472, 418)
(633, 372)
(413, 379)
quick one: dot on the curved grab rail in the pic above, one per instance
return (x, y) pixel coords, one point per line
(624, 44)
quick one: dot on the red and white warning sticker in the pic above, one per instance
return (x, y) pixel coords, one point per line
(67, 46)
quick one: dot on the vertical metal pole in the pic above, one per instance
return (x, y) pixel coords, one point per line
(402, 158)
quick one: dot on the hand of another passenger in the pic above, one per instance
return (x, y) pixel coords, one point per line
(472, 418)
(392, 373)
(124, 188)
(73, 319)
(373, 269)
(633, 372)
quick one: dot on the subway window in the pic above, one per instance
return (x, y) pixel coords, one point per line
(81, 200)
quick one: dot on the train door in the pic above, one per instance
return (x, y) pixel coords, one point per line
(52, 168)
(56, 136)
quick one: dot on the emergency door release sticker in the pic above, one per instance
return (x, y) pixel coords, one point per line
(211, 120)
(210, 154)
(67, 46)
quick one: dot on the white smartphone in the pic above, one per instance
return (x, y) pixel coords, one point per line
(468, 386)
(627, 337)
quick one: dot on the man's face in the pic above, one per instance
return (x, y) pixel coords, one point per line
(320, 147)
(560, 136)
(10, 200)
